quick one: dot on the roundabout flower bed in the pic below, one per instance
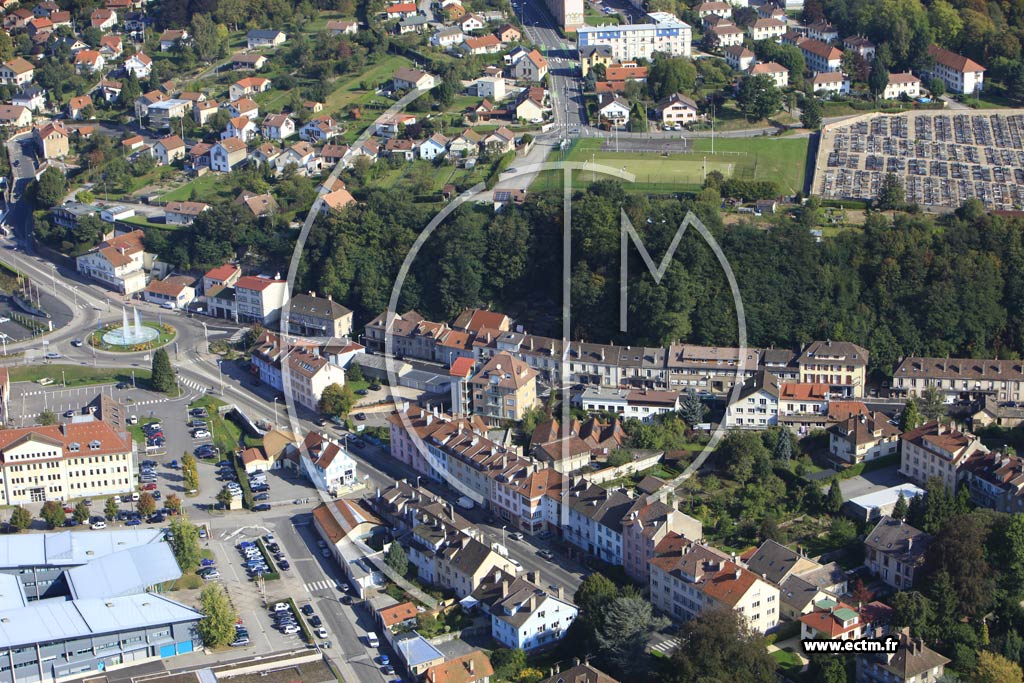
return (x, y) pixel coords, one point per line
(165, 335)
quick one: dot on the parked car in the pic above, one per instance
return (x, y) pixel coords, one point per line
(291, 629)
(321, 632)
(99, 525)
(315, 621)
(133, 522)
(516, 535)
(546, 554)
(261, 496)
(262, 507)
(198, 412)
(281, 607)
(201, 434)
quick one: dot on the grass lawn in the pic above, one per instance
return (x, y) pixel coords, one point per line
(138, 435)
(788, 662)
(208, 188)
(348, 91)
(76, 375)
(757, 158)
(226, 434)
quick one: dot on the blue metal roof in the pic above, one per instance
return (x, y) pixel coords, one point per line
(130, 571)
(70, 548)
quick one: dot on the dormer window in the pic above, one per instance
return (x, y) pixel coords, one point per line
(74, 447)
(94, 445)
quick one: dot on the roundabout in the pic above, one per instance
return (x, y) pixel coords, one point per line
(132, 337)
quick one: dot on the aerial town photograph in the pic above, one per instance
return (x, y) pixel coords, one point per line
(512, 341)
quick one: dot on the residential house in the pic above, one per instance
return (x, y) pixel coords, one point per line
(591, 56)
(248, 86)
(649, 521)
(264, 38)
(346, 526)
(530, 105)
(259, 205)
(243, 106)
(473, 667)
(241, 127)
(32, 97)
(111, 46)
(277, 126)
(863, 438)
(183, 213)
(222, 276)
(447, 36)
(305, 375)
(397, 617)
(17, 71)
(482, 45)
(803, 406)
(523, 614)
(723, 34)
(433, 147)
(500, 141)
(738, 57)
(171, 37)
(400, 10)
(313, 316)
(302, 156)
(773, 70)
(937, 450)
(227, 154)
(416, 23)
(579, 673)
(573, 451)
(504, 389)
(612, 109)
(664, 33)
(832, 620)
(830, 83)
(466, 144)
(17, 19)
(894, 551)
(507, 33)
(532, 67)
(911, 662)
(821, 56)
(167, 113)
(325, 462)
(119, 263)
(902, 85)
(861, 46)
(471, 22)
(103, 19)
(823, 31)
(333, 154)
(960, 378)
(145, 101)
(176, 290)
(395, 147)
(410, 79)
(688, 577)
(714, 8)
(757, 406)
(52, 139)
(169, 149)
(259, 298)
(338, 27)
(841, 365)
(767, 29)
(202, 112)
(800, 579)
(248, 60)
(89, 62)
(139, 64)
(677, 108)
(198, 156)
(320, 129)
(15, 116)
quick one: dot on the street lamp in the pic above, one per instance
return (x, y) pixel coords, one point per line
(275, 410)
(53, 277)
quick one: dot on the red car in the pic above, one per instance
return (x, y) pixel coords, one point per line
(149, 487)
(69, 509)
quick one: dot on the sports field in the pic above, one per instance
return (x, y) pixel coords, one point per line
(779, 159)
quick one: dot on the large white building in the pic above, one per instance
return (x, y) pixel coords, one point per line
(327, 464)
(119, 262)
(61, 462)
(664, 33)
(757, 406)
(960, 74)
(523, 614)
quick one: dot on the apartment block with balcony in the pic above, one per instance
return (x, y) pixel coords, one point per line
(935, 450)
(840, 365)
(960, 378)
(504, 389)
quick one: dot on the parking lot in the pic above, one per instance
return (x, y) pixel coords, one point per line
(942, 158)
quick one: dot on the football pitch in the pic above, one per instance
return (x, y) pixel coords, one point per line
(782, 160)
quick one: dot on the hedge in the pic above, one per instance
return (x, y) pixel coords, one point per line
(243, 480)
(301, 618)
(268, 576)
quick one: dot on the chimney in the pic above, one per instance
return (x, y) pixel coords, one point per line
(560, 593)
(312, 294)
(535, 577)
(910, 543)
(504, 588)
(470, 665)
(575, 661)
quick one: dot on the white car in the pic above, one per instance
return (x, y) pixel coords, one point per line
(99, 525)
(321, 632)
(201, 434)
(289, 630)
(281, 607)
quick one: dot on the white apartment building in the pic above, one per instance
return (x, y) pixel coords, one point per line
(757, 406)
(119, 262)
(902, 84)
(959, 73)
(936, 450)
(820, 57)
(767, 29)
(831, 83)
(259, 298)
(666, 34)
(66, 461)
(774, 70)
(327, 464)
(523, 614)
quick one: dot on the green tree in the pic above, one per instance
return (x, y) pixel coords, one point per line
(173, 503)
(508, 663)
(47, 418)
(994, 668)
(932, 405)
(147, 504)
(826, 669)
(162, 378)
(841, 532)
(719, 645)
(878, 79)
(913, 609)
(937, 86)
(190, 478)
(130, 90)
(890, 194)
(52, 513)
(21, 519)
(691, 409)
(217, 627)
(669, 75)
(834, 499)
(82, 512)
(758, 97)
(396, 558)
(910, 418)
(337, 400)
(810, 113)
(899, 511)
(185, 543)
(224, 497)
(111, 508)
(6, 47)
(51, 187)
(354, 372)
(207, 41)
(783, 446)
(622, 637)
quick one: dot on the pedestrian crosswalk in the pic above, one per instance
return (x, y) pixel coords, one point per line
(314, 586)
(191, 384)
(666, 646)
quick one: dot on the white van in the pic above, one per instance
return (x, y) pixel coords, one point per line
(169, 305)
(371, 639)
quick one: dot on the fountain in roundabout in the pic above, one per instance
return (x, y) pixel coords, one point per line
(130, 335)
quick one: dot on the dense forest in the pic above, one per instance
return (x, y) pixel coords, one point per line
(905, 283)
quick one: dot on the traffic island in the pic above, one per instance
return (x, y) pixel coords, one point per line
(103, 338)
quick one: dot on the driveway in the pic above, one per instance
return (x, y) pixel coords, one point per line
(871, 482)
